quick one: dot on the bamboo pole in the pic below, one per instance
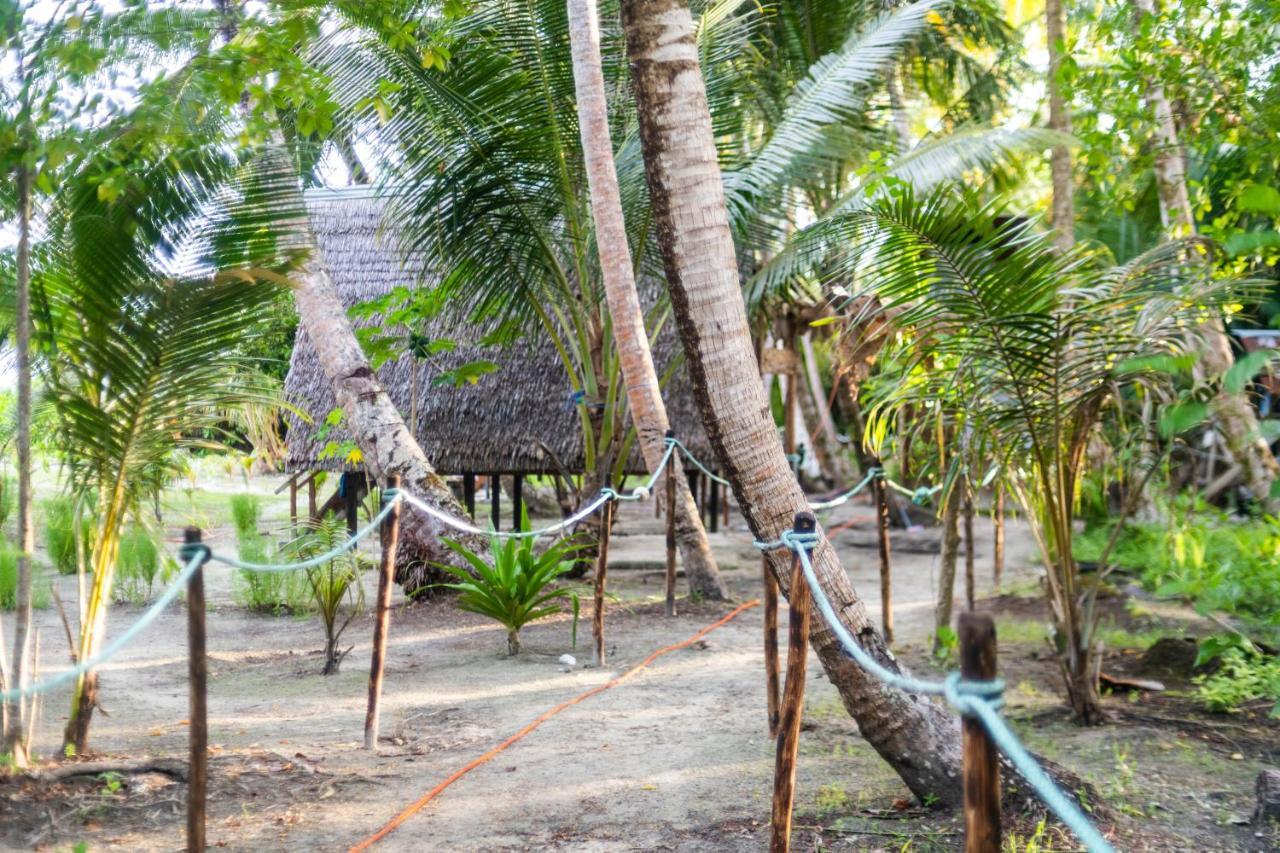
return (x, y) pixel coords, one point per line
(784, 771)
(382, 618)
(981, 768)
(770, 644)
(198, 701)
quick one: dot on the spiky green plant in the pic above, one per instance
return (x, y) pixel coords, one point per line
(336, 588)
(67, 533)
(246, 510)
(513, 586)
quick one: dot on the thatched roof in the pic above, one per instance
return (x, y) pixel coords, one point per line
(504, 424)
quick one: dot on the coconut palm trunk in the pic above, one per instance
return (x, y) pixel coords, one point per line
(644, 395)
(1234, 415)
(918, 738)
(375, 423)
(1063, 207)
(17, 712)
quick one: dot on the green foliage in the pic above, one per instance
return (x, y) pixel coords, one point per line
(62, 520)
(1244, 675)
(9, 580)
(517, 588)
(1217, 562)
(8, 497)
(246, 510)
(275, 593)
(139, 565)
(336, 588)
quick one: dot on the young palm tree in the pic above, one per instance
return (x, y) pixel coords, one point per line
(1038, 341)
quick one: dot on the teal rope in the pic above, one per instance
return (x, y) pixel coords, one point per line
(390, 497)
(978, 699)
(872, 473)
(919, 496)
(195, 556)
(675, 442)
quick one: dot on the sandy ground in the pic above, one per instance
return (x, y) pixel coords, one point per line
(675, 759)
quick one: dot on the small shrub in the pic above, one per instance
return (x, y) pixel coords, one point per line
(60, 528)
(245, 512)
(335, 585)
(8, 496)
(516, 589)
(138, 566)
(9, 580)
(1244, 675)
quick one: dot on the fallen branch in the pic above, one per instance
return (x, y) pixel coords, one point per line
(171, 767)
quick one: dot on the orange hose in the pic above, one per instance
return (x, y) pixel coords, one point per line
(542, 718)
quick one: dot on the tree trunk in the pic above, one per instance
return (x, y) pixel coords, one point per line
(1063, 209)
(947, 568)
(1235, 416)
(387, 444)
(918, 738)
(15, 737)
(823, 436)
(644, 396)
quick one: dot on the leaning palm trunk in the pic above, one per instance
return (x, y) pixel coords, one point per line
(644, 395)
(916, 737)
(375, 423)
(1060, 120)
(1235, 417)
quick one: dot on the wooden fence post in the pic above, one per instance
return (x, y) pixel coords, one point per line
(784, 768)
(312, 509)
(977, 635)
(469, 494)
(495, 498)
(517, 500)
(602, 571)
(673, 471)
(713, 509)
(886, 581)
(382, 617)
(198, 700)
(770, 644)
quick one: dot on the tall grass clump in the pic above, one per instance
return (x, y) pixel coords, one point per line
(61, 524)
(139, 566)
(275, 593)
(9, 580)
(246, 510)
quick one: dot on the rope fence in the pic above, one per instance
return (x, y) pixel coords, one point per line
(974, 699)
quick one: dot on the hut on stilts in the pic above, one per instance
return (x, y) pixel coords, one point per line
(517, 422)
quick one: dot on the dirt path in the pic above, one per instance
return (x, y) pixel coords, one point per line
(675, 759)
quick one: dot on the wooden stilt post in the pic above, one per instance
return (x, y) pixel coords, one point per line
(713, 510)
(784, 770)
(977, 635)
(997, 550)
(293, 503)
(353, 505)
(771, 644)
(312, 509)
(694, 475)
(382, 618)
(673, 471)
(469, 493)
(969, 580)
(517, 500)
(495, 501)
(198, 698)
(703, 482)
(727, 495)
(602, 571)
(878, 492)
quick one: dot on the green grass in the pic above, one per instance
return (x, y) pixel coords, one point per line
(9, 580)
(139, 566)
(60, 533)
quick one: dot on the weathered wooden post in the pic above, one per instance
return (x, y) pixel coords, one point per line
(495, 498)
(713, 511)
(312, 510)
(517, 500)
(198, 697)
(602, 571)
(469, 493)
(770, 644)
(390, 535)
(350, 495)
(969, 580)
(977, 635)
(673, 471)
(784, 768)
(293, 503)
(878, 491)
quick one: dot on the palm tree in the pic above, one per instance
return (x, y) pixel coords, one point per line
(688, 198)
(644, 395)
(1060, 120)
(1038, 341)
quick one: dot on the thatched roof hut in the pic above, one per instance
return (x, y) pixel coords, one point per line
(518, 420)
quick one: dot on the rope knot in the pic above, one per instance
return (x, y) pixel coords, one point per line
(190, 550)
(967, 696)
